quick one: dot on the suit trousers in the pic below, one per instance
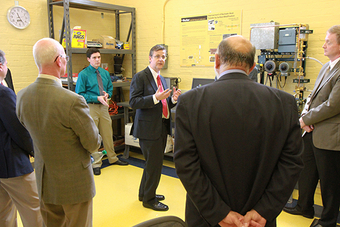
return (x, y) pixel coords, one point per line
(20, 194)
(328, 164)
(153, 152)
(101, 117)
(309, 177)
(68, 215)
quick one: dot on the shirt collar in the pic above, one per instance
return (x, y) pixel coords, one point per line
(231, 71)
(153, 72)
(50, 77)
(333, 63)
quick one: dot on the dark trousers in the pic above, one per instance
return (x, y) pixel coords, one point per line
(328, 165)
(153, 152)
(309, 177)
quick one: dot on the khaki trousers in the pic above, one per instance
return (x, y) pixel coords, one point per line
(69, 215)
(102, 119)
(19, 194)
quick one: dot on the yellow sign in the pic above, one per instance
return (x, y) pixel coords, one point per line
(200, 36)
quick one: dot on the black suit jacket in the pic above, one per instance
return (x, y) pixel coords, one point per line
(9, 80)
(15, 141)
(237, 147)
(148, 118)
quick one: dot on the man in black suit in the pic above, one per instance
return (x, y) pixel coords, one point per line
(18, 189)
(8, 80)
(150, 97)
(237, 145)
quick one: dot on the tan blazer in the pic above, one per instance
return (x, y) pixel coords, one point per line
(63, 134)
(323, 109)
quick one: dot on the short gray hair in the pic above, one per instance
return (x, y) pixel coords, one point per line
(46, 50)
(335, 30)
(228, 54)
(2, 57)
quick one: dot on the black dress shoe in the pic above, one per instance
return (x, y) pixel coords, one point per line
(315, 223)
(158, 197)
(120, 162)
(157, 206)
(96, 171)
(294, 211)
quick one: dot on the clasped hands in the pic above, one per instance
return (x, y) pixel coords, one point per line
(251, 219)
(103, 99)
(165, 94)
(307, 128)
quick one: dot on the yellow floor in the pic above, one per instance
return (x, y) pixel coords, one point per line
(116, 202)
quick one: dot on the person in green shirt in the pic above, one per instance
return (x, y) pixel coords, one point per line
(94, 84)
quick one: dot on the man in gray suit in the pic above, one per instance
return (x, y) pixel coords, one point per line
(64, 135)
(321, 121)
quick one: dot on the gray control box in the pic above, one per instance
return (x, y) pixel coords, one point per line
(265, 35)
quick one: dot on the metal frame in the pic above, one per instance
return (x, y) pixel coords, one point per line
(93, 6)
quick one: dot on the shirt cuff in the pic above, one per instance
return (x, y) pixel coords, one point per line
(155, 101)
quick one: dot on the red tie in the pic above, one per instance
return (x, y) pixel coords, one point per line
(165, 106)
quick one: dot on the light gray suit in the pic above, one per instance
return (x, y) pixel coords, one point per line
(63, 134)
(322, 110)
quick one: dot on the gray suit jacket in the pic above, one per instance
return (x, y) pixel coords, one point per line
(323, 109)
(63, 134)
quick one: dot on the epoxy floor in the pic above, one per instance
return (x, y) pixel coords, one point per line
(116, 203)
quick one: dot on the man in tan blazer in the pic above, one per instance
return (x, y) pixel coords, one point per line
(321, 121)
(64, 135)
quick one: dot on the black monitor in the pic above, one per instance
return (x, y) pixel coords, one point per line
(198, 82)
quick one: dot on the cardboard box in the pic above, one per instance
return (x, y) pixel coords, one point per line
(108, 42)
(130, 139)
(133, 141)
(78, 39)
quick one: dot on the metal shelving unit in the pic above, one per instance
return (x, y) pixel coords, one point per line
(93, 6)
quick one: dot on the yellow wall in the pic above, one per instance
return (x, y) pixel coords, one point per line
(149, 13)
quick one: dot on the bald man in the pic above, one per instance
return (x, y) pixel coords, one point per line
(238, 168)
(64, 135)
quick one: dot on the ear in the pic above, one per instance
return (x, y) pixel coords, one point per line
(217, 61)
(88, 59)
(150, 59)
(251, 69)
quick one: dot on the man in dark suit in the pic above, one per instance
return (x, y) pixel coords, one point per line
(18, 189)
(150, 97)
(237, 145)
(321, 121)
(64, 135)
(8, 80)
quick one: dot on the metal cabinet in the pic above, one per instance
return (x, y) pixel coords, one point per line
(93, 6)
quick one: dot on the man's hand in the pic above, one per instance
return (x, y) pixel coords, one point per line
(254, 219)
(233, 219)
(103, 100)
(307, 128)
(162, 95)
(176, 93)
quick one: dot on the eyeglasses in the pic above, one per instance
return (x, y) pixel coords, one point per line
(163, 57)
(66, 58)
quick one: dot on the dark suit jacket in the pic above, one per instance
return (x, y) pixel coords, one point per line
(323, 109)
(148, 118)
(15, 141)
(9, 80)
(237, 147)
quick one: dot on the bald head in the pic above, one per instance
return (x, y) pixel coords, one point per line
(236, 51)
(45, 51)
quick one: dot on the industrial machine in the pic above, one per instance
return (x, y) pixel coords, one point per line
(282, 53)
